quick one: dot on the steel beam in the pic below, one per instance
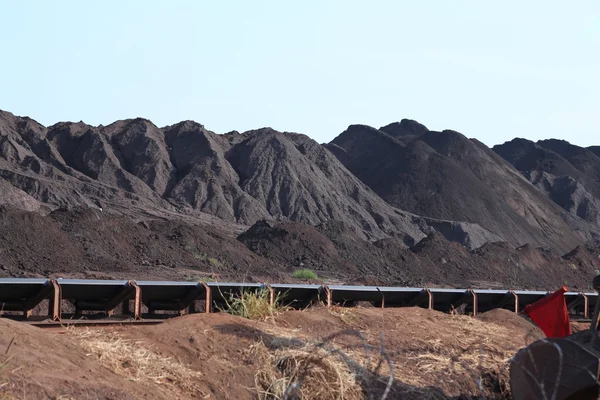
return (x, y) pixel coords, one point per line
(271, 294)
(125, 294)
(208, 306)
(55, 303)
(137, 305)
(328, 293)
(382, 297)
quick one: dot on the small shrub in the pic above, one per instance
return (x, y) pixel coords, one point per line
(305, 274)
(199, 278)
(214, 262)
(254, 305)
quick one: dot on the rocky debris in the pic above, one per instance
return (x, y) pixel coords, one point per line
(568, 193)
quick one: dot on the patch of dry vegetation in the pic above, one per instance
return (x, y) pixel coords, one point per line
(345, 314)
(5, 359)
(293, 368)
(464, 357)
(136, 361)
(304, 373)
(474, 354)
(255, 305)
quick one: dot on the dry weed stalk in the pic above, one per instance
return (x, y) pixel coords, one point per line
(5, 381)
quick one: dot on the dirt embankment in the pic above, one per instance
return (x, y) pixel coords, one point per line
(349, 352)
(337, 254)
(88, 243)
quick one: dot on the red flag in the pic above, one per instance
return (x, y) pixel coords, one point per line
(551, 314)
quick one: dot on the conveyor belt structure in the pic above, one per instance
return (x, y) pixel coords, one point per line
(93, 301)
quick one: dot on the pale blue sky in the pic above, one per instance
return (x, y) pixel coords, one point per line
(491, 70)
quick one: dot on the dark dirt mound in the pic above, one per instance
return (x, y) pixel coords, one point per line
(187, 171)
(405, 130)
(432, 173)
(87, 243)
(296, 245)
(336, 254)
(581, 158)
(595, 150)
(569, 175)
(529, 266)
(204, 179)
(92, 244)
(527, 156)
(583, 258)
(332, 250)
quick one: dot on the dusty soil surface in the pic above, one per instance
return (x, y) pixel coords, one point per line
(333, 251)
(88, 243)
(219, 356)
(41, 365)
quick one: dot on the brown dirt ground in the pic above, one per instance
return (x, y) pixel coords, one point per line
(434, 355)
(45, 365)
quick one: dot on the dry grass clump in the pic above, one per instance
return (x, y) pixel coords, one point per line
(345, 314)
(134, 361)
(475, 353)
(303, 373)
(255, 305)
(4, 381)
(5, 359)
